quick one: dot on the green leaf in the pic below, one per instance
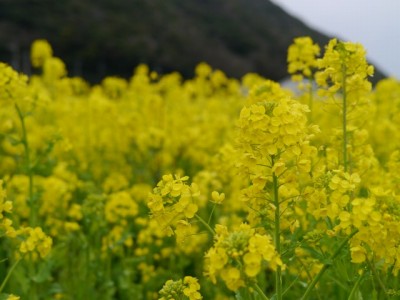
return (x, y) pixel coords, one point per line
(243, 294)
(315, 253)
(355, 293)
(43, 274)
(238, 296)
(356, 296)
(374, 295)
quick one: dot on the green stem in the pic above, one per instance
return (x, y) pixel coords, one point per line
(354, 289)
(327, 266)
(205, 224)
(308, 276)
(376, 276)
(290, 285)
(31, 201)
(211, 214)
(260, 292)
(3, 284)
(277, 237)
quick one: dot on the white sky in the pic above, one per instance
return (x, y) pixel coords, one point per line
(373, 23)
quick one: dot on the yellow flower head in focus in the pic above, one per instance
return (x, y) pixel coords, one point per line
(178, 289)
(173, 199)
(245, 246)
(344, 66)
(217, 198)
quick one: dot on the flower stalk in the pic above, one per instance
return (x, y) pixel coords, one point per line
(260, 292)
(277, 235)
(327, 266)
(206, 225)
(33, 205)
(3, 284)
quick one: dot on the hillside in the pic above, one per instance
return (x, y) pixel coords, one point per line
(112, 37)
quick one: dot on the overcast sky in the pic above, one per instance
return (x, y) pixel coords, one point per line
(373, 23)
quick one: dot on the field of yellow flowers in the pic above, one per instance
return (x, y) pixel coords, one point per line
(209, 188)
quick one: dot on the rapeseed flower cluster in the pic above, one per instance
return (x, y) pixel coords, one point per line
(237, 257)
(188, 288)
(357, 203)
(331, 194)
(119, 210)
(274, 138)
(34, 242)
(173, 200)
(5, 208)
(344, 66)
(31, 240)
(302, 58)
(13, 86)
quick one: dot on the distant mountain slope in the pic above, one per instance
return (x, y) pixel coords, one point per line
(105, 37)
